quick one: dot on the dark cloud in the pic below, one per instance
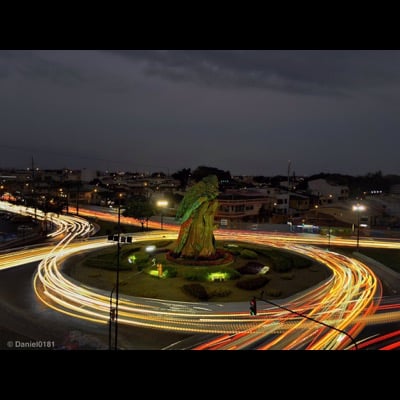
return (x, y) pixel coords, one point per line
(247, 111)
(34, 65)
(314, 72)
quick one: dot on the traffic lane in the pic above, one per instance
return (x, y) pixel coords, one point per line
(25, 320)
(23, 317)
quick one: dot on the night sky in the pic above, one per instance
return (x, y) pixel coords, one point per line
(245, 111)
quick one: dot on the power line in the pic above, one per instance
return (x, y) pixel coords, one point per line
(309, 318)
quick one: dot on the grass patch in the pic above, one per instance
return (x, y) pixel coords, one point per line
(221, 283)
(252, 283)
(287, 276)
(273, 292)
(196, 290)
(107, 227)
(389, 257)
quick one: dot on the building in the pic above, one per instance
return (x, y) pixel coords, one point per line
(327, 192)
(236, 208)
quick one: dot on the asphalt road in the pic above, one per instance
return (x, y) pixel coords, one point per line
(25, 323)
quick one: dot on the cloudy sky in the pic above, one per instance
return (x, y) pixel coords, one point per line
(246, 111)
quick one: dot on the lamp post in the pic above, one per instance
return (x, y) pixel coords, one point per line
(150, 249)
(67, 201)
(358, 208)
(112, 318)
(329, 237)
(117, 278)
(162, 204)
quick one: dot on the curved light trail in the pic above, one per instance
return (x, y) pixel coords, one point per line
(347, 300)
(344, 300)
(387, 243)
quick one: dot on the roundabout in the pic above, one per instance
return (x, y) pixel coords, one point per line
(345, 300)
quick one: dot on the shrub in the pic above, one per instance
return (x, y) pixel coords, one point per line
(253, 283)
(282, 267)
(251, 268)
(234, 251)
(232, 273)
(233, 248)
(170, 272)
(248, 254)
(284, 261)
(196, 290)
(142, 260)
(202, 273)
(196, 275)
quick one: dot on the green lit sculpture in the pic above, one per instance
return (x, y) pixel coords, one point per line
(196, 214)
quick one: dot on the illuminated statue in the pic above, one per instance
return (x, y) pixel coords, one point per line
(196, 213)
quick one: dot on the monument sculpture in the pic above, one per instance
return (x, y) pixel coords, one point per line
(196, 214)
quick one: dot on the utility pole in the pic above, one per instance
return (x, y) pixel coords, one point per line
(117, 278)
(77, 197)
(358, 208)
(288, 190)
(111, 320)
(33, 189)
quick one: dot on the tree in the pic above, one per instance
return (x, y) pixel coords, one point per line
(158, 175)
(140, 208)
(202, 171)
(196, 214)
(182, 176)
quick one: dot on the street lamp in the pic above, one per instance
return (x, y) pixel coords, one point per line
(117, 278)
(358, 208)
(151, 249)
(162, 204)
